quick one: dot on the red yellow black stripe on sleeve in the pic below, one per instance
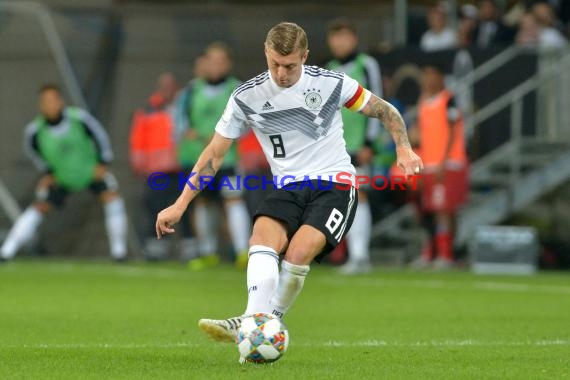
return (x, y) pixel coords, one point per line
(356, 102)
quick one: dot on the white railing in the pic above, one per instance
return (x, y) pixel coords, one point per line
(514, 99)
(550, 72)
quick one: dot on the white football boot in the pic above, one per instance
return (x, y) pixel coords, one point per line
(221, 330)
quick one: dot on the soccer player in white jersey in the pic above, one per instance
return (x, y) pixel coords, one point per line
(294, 110)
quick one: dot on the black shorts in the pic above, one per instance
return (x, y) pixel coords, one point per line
(316, 203)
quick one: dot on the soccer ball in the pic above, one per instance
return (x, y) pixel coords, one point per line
(262, 338)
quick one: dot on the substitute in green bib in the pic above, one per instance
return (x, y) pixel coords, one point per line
(72, 150)
(199, 107)
(360, 133)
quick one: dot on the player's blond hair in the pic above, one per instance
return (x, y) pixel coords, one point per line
(286, 38)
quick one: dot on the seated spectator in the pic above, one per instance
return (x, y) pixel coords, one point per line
(560, 10)
(527, 34)
(491, 30)
(439, 36)
(468, 18)
(532, 34)
(550, 27)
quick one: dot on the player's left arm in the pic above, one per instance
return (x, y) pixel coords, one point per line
(378, 108)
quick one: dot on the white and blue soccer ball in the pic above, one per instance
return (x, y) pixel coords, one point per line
(262, 338)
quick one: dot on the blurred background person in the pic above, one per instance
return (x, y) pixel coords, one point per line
(439, 36)
(533, 34)
(468, 19)
(152, 149)
(73, 151)
(444, 186)
(528, 33)
(200, 68)
(550, 28)
(200, 106)
(359, 133)
(491, 30)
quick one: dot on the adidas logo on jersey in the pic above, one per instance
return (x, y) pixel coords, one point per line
(267, 106)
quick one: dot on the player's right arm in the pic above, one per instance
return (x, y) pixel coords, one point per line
(208, 164)
(356, 98)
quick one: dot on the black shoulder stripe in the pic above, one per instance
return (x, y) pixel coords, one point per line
(324, 75)
(252, 80)
(250, 84)
(320, 71)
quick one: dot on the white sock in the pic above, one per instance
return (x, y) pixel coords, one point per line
(238, 224)
(358, 237)
(205, 229)
(116, 223)
(291, 280)
(22, 232)
(262, 278)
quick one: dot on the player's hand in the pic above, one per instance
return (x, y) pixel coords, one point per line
(364, 156)
(409, 162)
(166, 219)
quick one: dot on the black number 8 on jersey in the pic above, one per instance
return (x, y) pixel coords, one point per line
(278, 147)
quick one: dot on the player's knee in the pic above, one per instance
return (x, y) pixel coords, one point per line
(269, 232)
(307, 244)
(299, 256)
(278, 243)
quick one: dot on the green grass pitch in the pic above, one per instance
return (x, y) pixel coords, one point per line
(90, 320)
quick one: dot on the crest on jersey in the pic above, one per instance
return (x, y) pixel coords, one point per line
(313, 99)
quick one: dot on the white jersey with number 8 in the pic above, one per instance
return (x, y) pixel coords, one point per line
(299, 128)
